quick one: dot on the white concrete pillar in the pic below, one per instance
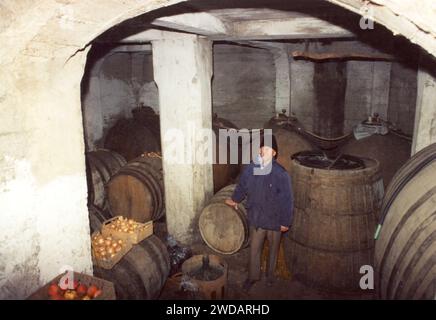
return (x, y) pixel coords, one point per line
(183, 71)
(283, 80)
(425, 114)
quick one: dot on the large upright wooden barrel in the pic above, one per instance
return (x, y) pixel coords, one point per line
(225, 173)
(289, 142)
(141, 273)
(131, 138)
(137, 190)
(390, 150)
(101, 165)
(224, 229)
(405, 253)
(331, 236)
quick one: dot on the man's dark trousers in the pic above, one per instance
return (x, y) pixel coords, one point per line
(257, 238)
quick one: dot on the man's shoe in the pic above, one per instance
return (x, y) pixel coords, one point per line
(248, 284)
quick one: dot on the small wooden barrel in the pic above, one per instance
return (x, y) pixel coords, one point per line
(224, 229)
(331, 236)
(101, 165)
(131, 138)
(137, 190)
(141, 273)
(405, 253)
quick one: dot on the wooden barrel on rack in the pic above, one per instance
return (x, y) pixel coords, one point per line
(131, 138)
(405, 253)
(137, 190)
(335, 205)
(141, 273)
(101, 165)
(224, 229)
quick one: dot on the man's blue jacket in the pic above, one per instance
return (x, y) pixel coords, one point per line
(269, 196)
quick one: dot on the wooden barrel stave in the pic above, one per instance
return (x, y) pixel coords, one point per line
(328, 270)
(141, 273)
(306, 229)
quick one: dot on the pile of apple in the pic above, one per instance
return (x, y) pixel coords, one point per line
(106, 248)
(122, 224)
(80, 292)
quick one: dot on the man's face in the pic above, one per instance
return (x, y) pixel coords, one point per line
(267, 153)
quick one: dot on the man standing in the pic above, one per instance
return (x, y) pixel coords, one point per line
(267, 186)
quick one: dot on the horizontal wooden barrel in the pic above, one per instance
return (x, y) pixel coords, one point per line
(101, 165)
(141, 273)
(131, 138)
(405, 253)
(334, 221)
(390, 150)
(224, 229)
(137, 190)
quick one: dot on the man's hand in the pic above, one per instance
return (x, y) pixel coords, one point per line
(231, 203)
(284, 229)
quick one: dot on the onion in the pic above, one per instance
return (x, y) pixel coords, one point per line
(100, 241)
(107, 242)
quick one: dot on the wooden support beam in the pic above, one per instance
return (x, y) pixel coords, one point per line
(340, 56)
(199, 23)
(292, 28)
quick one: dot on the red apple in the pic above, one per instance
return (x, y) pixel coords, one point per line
(91, 291)
(82, 290)
(53, 290)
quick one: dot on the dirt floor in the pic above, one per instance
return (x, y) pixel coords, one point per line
(281, 289)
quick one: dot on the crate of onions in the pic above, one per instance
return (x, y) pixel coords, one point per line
(127, 229)
(108, 250)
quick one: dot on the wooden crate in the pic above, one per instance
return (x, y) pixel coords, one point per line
(111, 262)
(144, 231)
(107, 288)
